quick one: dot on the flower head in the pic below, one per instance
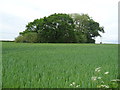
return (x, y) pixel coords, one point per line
(99, 77)
(78, 86)
(73, 83)
(115, 80)
(106, 73)
(97, 69)
(94, 78)
(103, 86)
(102, 81)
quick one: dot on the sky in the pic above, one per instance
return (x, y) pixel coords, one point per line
(15, 15)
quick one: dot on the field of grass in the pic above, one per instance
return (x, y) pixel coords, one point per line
(27, 65)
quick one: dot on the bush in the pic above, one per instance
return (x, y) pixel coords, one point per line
(19, 39)
(30, 37)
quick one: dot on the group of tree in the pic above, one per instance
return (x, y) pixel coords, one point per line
(61, 28)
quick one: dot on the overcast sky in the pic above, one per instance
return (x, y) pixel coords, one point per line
(15, 14)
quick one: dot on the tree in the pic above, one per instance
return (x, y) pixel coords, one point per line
(57, 28)
(62, 28)
(86, 28)
(34, 26)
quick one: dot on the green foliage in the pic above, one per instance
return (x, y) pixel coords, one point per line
(29, 37)
(57, 28)
(86, 28)
(34, 26)
(19, 39)
(64, 28)
(81, 37)
(101, 78)
(34, 65)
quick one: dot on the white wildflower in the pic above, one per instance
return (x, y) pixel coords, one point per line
(99, 78)
(115, 80)
(97, 69)
(94, 78)
(103, 86)
(106, 86)
(78, 86)
(106, 73)
(102, 81)
(73, 83)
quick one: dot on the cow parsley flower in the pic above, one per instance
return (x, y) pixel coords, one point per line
(99, 78)
(115, 80)
(73, 83)
(103, 86)
(97, 69)
(94, 78)
(106, 73)
(78, 86)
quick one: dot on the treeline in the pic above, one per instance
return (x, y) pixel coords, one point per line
(61, 28)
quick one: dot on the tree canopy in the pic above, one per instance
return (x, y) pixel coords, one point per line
(62, 28)
(86, 28)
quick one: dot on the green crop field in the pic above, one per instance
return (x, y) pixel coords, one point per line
(36, 65)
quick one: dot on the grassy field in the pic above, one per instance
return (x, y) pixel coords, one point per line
(28, 65)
